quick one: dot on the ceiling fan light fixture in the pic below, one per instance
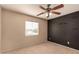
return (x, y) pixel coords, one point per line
(49, 14)
(49, 11)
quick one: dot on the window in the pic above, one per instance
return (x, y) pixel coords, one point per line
(31, 28)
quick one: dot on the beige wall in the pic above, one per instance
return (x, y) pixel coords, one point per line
(14, 31)
(0, 29)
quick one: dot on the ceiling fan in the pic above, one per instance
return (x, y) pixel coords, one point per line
(49, 10)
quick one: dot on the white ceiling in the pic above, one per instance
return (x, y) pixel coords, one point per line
(33, 9)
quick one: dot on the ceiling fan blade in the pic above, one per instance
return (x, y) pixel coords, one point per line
(58, 7)
(58, 13)
(41, 13)
(42, 8)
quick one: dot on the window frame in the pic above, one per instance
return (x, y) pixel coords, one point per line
(27, 23)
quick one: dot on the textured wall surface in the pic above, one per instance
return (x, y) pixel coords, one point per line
(14, 31)
(65, 30)
(0, 29)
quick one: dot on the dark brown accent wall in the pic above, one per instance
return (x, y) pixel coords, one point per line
(65, 30)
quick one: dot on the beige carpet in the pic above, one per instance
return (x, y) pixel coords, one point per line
(46, 48)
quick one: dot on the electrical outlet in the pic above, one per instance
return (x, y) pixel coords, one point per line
(68, 42)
